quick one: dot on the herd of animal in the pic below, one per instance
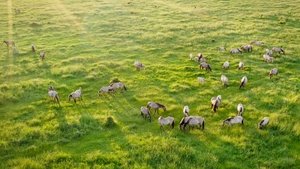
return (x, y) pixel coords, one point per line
(187, 119)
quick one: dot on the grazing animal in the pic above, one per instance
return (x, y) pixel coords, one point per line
(269, 52)
(192, 121)
(200, 58)
(33, 48)
(138, 65)
(186, 111)
(247, 48)
(268, 58)
(166, 121)
(53, 94)
(240, 109)
(118, 85)
(243, 81)
(42, 55)
(273, 72)
(234, 120)
(76, 95)
(105, 89)
(278, 50)
(235, 51)
(201, 80)
(9, 43)
(257, 43)
(222, 49)
(225, 65)
(145, 113)
(205, 66)
(224, 80)
(156, 106)
(216, 102)
(263, 123)
(241, 65)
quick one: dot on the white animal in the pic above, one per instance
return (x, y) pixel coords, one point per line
(244, 81)
(234, 120)
(226, 65)
(273, 72)
(138, 65)
(118, 85)
(53, 94)
(241, 65)
(192, 121)
(201, 80)
(269, 52)
(186, 111)
(164, 121)
(216, 102)
(240, 109)
(278, 50)
(235, 51)
(268, 58)
(224, 80)
(264, 122)
(75, 95)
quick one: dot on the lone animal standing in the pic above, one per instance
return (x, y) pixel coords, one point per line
(244, 81)
(224, 80)
(273, 72)
(53, 94)
(215, 102)
(233, 120)
(145, 113)
(263, 123)
(76, 95)
(166, 121)
(155, 106)
(240, 109)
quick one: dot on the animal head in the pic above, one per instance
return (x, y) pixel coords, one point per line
(70, 96)
(51, 88)
(219, 97)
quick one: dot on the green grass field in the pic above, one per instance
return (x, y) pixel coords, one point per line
(88, 44)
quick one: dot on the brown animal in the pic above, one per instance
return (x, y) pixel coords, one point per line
(33, 48)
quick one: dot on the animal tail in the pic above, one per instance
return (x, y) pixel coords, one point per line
(149, 117)
(125, 88)
(208, 66)
(203, 124)
(70, 97)
(173, 124)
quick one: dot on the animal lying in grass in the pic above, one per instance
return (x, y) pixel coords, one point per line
(76, 95)
(268, 58)
(186, 111)
(166, 121)
(233, 120)
(215, 102)
(244, 81)
(235, 51)
(263, 123)
(273, 72)
(145, 113)
(191, 122)
(201, 80)
(138, 65)
(241, 65)
(53, 94)
(105, 89)
(240, 109)
(257, 43)
(205, 66)
(224, 80)
(225, 65)
(155, 106)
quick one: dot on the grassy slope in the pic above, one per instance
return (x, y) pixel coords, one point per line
(89, 43)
